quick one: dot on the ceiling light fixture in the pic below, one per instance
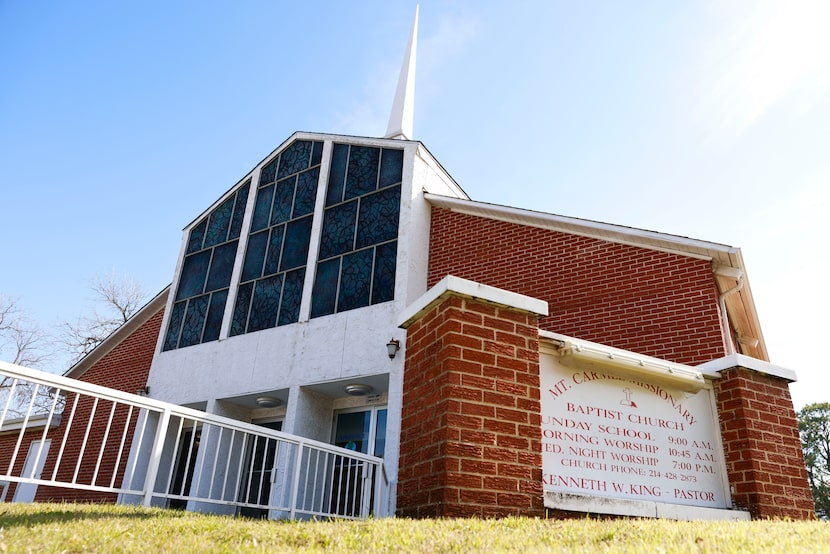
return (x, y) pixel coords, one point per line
(267, 401)
(357, 389)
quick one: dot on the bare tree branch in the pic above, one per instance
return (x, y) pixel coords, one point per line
(120, 297)
(22, 342)
(120, 294)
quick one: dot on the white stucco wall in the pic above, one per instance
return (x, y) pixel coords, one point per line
(343, 347)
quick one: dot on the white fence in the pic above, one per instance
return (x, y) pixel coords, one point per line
(86, 442)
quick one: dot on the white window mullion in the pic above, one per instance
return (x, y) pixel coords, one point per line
(239, 260)
(316, 227)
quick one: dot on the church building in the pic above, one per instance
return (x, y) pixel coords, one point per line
(500, 360)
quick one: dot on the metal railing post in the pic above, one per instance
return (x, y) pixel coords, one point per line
(344, 483)
(366, 490)
(155, 457)
(381, 507)
(296, 480)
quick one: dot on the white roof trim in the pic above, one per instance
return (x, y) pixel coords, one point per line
(739, 360)
(470, 289)
(33, 422)
(725, 255)
(300, 135)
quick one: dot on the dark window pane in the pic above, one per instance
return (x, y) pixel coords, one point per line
(295, 246)
(355, 280)
(383, 284)
(292, 293)
(352, 429)
(213, 323)
(378, 219)
(269, 172)
(283, 200)
(294, 158)
(391, 167)
(239, 211)
(380, 434)
(306, 192)
(220, 221)
(337, 174)
(272, 259)
(174, 326)
(221, 266)
(265, 304)
(197, 237)
(337, 235)
(363, 171)
(252, 268)
(240, 311)
(324, 293)
(317, 153)
(262, 209)
(194, 321)
(194, 271)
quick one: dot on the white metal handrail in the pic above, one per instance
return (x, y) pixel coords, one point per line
(155, 453)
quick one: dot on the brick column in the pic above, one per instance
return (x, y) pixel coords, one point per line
(763, 453)
(470, 429)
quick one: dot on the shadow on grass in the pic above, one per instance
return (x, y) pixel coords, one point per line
(42, 514)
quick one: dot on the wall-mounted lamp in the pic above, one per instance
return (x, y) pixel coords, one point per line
(143, 392)
(267, 401)
(392, 347)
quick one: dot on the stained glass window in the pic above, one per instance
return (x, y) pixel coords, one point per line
(362, 176)
(357, 253)
(324, 293)
(358, 241)
(205, 276)
(355, 279)
(271, 284)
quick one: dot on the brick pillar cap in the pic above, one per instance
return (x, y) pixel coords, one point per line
(754, 364)
(451, 285)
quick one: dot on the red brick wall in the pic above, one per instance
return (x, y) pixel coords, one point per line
(654, 303)
(124, 368)
(764, 460)
(470, 431)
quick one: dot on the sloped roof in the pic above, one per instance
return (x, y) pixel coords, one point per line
(740, 305)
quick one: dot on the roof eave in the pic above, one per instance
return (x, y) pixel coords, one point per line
(740, 306)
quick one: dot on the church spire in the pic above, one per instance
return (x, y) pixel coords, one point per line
(403, 107)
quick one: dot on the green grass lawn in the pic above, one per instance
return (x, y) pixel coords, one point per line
(46, 528)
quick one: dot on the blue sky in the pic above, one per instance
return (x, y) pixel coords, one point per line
(121, 121)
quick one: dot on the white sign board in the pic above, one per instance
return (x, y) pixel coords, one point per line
(607, 435)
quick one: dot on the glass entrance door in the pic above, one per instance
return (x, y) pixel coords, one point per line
(257, 484)
(362, 430)
(187, 450)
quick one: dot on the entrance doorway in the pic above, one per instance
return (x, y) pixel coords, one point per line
(256, 488)
(362, 430)
(187, 450)
(32, 469)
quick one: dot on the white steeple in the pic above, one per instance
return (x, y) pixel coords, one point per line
(403, 108)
